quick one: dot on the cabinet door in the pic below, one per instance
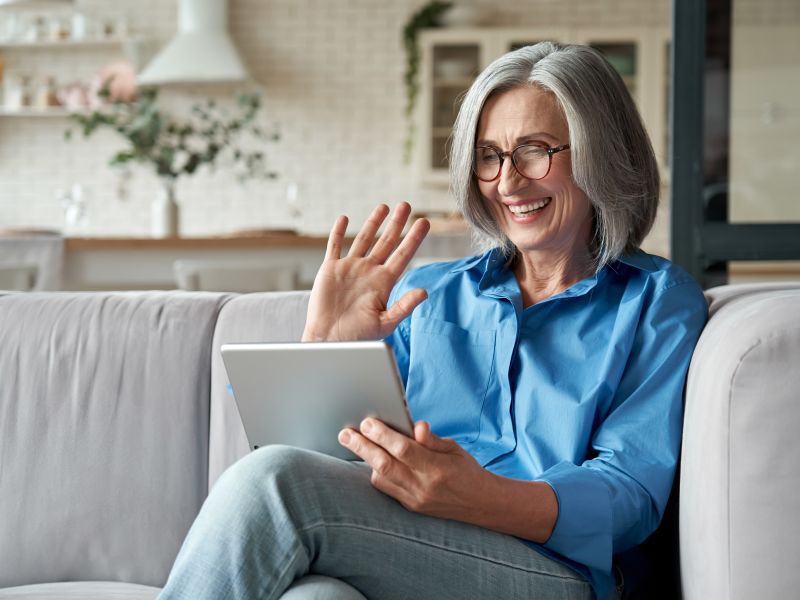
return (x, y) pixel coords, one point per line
(638, 56)
(454, 66)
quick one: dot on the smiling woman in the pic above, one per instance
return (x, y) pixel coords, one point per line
(539, 208)
(611, 157)
(545, 376)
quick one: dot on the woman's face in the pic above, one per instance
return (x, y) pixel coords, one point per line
(547, 215)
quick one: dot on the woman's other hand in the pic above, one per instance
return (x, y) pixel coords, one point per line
(435, 476)
(427, 474)
(350, 294)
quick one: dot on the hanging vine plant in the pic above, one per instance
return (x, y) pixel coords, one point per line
(425, 18)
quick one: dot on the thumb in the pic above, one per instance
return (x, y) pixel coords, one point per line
(404, 306)
(425, 437)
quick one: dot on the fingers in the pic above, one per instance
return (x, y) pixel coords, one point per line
(397, 444)
(381, 461)
(425, 437)
(399, 260)
(388, 241)
(366, 235)
(334, 249)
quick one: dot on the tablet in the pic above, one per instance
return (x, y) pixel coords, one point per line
(303, 394)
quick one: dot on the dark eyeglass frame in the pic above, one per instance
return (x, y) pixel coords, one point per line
(511, 153)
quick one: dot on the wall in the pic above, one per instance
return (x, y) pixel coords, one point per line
(331, 72)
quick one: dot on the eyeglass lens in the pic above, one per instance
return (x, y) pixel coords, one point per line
(532, 162)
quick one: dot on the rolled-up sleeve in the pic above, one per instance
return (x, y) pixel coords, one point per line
(616, 498)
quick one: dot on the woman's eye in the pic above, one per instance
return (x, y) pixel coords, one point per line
(527, 152)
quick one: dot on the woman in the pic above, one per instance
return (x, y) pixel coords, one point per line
(545, 375)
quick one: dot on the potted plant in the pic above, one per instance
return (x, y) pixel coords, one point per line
(428, 16)
(174, 147)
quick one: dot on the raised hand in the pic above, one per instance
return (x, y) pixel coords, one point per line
(350, 294)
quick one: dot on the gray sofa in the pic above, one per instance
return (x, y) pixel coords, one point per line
(115, 420)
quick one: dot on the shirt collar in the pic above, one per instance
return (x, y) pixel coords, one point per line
(495, 279)
(639, 260)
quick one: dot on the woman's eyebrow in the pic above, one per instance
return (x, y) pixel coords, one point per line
(521, 139)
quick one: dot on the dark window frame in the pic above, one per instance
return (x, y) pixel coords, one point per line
(702, 239)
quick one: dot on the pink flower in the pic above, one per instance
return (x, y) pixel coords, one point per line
(121, 80)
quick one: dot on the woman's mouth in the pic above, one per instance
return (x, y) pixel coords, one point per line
(522, 210)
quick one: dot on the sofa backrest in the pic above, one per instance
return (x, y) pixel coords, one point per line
(264, 317)
(103, 432)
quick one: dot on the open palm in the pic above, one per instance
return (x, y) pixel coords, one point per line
(350, 294)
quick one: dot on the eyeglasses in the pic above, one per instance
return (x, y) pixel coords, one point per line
(532, 162)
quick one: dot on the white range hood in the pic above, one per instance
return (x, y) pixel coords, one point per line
(201, 52)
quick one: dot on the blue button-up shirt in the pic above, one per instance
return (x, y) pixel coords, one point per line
(582, 390)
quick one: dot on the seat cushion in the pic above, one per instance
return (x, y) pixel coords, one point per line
(81, 590)
(318, 587)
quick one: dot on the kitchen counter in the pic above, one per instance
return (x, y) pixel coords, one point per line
(132, 263)
(265, 240)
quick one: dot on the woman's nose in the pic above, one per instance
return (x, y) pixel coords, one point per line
(510, 181)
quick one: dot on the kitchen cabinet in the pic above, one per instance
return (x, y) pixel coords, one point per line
(451, 59)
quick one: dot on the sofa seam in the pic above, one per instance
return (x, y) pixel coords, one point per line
(758, 343)
(226, 297)
(731, 386)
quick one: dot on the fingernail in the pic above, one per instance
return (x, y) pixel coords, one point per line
(366, 426)
(344, 436)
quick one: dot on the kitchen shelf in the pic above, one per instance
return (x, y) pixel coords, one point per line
(28, 112)
(68, 43)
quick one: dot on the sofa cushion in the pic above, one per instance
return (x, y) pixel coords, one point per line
(81, 590)
(103, 432)
(264, 317)
(739, 498)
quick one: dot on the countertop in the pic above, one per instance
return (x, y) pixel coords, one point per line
(265, 240)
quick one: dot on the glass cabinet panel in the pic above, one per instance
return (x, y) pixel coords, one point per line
(454, 69)
(622, 56)
(763, 81)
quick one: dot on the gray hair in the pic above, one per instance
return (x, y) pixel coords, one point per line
(612, 157)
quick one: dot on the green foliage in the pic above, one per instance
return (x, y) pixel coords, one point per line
(174, 147)
(427, 17)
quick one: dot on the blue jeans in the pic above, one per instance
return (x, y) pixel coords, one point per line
(282, 513)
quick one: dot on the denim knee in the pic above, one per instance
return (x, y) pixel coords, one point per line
(265, 469)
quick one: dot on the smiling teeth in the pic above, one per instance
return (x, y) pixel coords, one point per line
(523, 209)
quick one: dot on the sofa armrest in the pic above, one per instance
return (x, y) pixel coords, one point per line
(740, 485)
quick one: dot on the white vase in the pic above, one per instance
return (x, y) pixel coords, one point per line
(165, 212)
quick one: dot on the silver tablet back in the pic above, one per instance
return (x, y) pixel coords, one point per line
(303, 394)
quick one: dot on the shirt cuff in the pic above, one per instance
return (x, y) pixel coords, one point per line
(583, 528)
